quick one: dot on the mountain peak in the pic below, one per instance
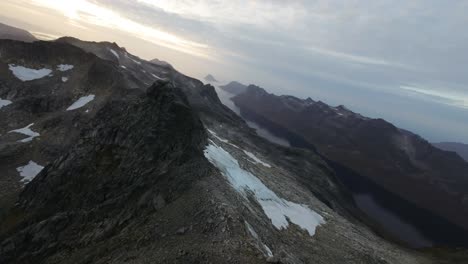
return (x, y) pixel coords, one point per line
(234, 87)
(210, 78)
(13, 33)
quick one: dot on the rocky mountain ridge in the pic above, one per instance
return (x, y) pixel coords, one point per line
(397, 160)
(142, 164)
(13, 33)
(459, 148)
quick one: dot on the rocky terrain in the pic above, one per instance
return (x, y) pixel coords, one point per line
(108, 158)
(399, 167)
(459, 148)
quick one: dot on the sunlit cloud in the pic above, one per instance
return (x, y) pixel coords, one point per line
(356, 58)
(256, 13)
(44, 36)
(457, 99)
(84, 11)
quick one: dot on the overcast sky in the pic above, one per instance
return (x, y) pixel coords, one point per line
(405, 61)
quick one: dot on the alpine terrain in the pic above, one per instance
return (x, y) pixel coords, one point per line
(376, 161)
(109, 158)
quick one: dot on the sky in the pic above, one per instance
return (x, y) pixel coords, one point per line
(404, 61)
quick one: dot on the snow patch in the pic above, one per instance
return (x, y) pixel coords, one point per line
(115, 53)
(26, 131)
(216, 136)
(4, 102)
(123, 67)
(135, 61)
(29, 171)
(27, 74)
(64, 67)
(256, 160)
(277, 209)
(157, 77)
(64, 79)
(81, 102)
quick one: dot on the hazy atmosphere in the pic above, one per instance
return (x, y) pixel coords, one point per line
(404, 61)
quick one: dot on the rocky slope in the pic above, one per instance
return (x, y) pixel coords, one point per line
(138, 163)
(381, 156)
(459, 148)
(13, 33)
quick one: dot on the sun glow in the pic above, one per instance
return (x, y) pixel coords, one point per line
(84, 11)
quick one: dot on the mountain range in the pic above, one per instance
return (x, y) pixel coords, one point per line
(459, 148)
(110, 158)
(390, 159)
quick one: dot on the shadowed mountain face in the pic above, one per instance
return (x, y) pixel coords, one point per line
(459, 148)
(108, 158)
(9, 32)
(402, 164)
(234, 87)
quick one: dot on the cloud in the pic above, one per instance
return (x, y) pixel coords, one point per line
(357, 58)
(458, 99)
(87, 12)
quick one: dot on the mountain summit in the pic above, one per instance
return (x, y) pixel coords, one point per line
(9, 32)
(234, 87)
(210, 78)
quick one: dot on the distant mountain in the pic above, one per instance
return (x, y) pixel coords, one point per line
(210, 78)
(159, 62)
(234, 87)
(9, 32)
(394, 159)
(460, 148)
